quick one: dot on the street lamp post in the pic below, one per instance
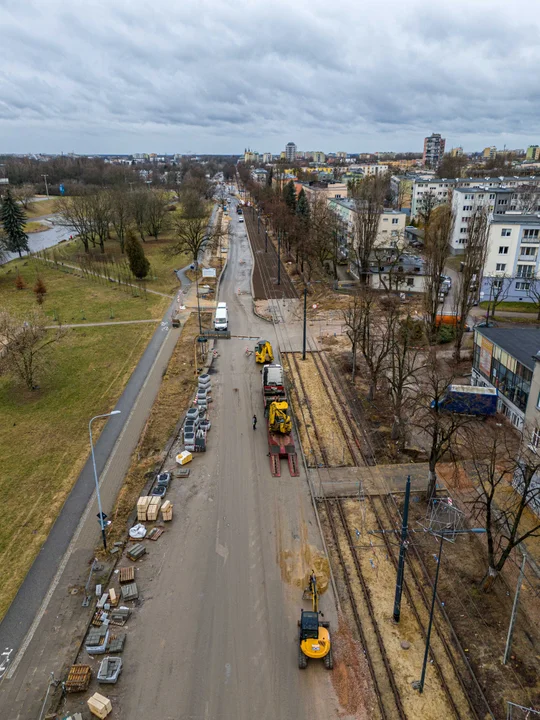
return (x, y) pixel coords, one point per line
(46, 186)
(305, 325)
(96, 479)
(195, 266)
(279, 258)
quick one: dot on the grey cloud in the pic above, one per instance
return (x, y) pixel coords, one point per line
(213, 76)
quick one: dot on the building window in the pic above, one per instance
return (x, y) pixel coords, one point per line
(395, 221)
(500, 267)
(506, 232)
(535, 439)
(525, 271)
(503, 250)
(530, 234)
(492, 196)
(463, 230)
(385, 219)
(465, 219)
(523, 285)
(529, 251)
(467, 207)
(502, 202)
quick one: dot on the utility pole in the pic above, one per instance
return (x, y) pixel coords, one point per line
(420, 684)
(402, 552)
(46, 186)
(514, 610)
(265, 240)
(279, 257)
(305, 324)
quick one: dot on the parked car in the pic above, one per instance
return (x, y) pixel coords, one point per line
(241, 218)
(163, 479)
(485, 324)
(158, 491)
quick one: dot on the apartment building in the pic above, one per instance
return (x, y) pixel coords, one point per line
(465, 201)
(533, 153)
(490, 153)
(442, 188)
(326, 189)
(504, 358)
(369, 169)
(290, 152)
(267, 158)
(433, 150)
(512, 268)
(259, 175)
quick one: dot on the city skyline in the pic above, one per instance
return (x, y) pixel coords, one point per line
(95, 78)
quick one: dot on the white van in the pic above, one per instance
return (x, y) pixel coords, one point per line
(221, 320)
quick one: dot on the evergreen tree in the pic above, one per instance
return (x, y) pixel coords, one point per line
(138, 261)
(13, 220)
(289, 195)
(302, 206)
(269, 176)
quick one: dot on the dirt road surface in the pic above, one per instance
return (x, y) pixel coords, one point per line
(215, 636)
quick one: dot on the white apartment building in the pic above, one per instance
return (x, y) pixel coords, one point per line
(512, 263)
(267, 158)
(290, 152)
(465, 201)
(442, 188)
(369, 169)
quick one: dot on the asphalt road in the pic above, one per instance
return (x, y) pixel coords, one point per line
(215, 635)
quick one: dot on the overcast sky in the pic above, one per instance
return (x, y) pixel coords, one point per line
(210, 76)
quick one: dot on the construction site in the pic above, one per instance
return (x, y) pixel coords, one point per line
(360, 507)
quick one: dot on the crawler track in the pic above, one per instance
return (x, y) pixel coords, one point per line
(386, 691)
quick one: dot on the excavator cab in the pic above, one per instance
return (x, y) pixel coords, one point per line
(263, 352)
(313, 634)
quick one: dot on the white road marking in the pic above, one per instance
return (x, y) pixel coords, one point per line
(71, 547)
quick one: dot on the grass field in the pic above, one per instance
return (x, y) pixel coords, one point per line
(86, 377)
(34, 227)
(74, 299)
(524, 307)
(43, 207)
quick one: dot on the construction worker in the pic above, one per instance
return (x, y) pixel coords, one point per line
(254, 422)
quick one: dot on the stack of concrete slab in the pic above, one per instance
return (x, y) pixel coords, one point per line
(142, 506)
(96, 640)
(167, 510)
(109, 670)
(136, 551)
(153, 509)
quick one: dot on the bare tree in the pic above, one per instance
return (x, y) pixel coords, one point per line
(352, 320)
(436, 245)
(498, 459)
(23, 345)
(368, 197)
(526, 199)
(3, 245)
(120, 214)
(74, 213)
(25, 194)
(100, 212)
(438, 426)
(533, 293)
(156, 212)
(499, 287)
(470, 277)
(375, 336)
(192, 236)
(139, 210)
(406, 360)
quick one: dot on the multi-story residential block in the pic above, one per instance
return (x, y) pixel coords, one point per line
(250, 157)
(267, 158)
(290, 152)
(433, 150)
(326, 189)
(369, 169)
(512, 268)
(441, 188)
(465, 201)
(318, 157)
(533, 152)
(504, 358)
(489, 153)
(456, 152)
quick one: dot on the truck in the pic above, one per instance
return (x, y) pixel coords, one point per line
(469, 400)
(221, 319)
(278, 421)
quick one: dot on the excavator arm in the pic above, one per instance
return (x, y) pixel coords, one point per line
(279, 419)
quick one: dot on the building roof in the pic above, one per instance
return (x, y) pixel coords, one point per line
(483, 189)
(513, 218)
(479, 180)
(521, 343)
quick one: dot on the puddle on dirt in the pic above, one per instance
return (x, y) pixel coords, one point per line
(296, 566)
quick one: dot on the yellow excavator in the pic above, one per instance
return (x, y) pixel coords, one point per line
(313, 634)
(263, 352)
(279, 420)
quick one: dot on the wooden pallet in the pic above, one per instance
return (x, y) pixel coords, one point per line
(155, 533)
(127, 574)
(78, 678)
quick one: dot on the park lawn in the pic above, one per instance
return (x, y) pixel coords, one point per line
(44, 436)
(524, 307)
(39, 209)
(75, 299)
(35, 227)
